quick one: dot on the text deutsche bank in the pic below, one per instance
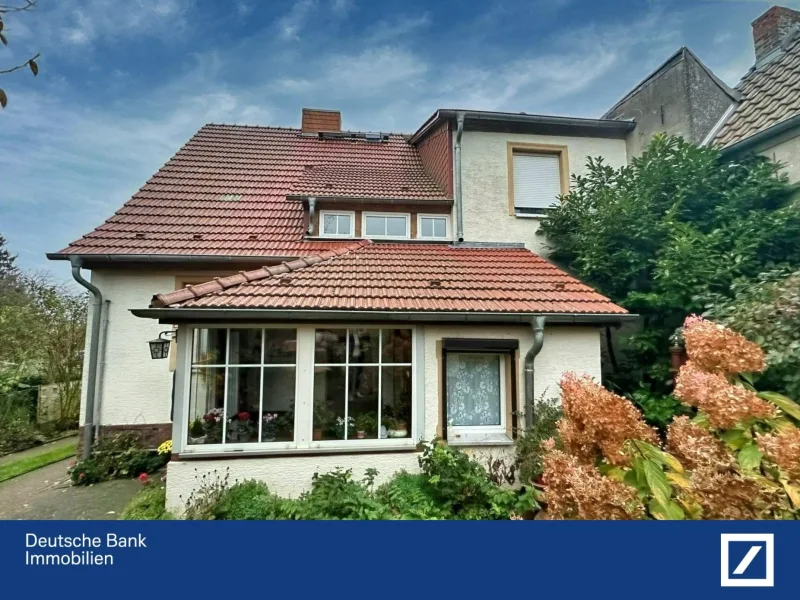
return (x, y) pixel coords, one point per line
(79, 550)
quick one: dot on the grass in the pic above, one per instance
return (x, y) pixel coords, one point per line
(31, 463)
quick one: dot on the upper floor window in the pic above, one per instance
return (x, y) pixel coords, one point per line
(433, 227)
(386, 225)
(539, 174)
(337, 223)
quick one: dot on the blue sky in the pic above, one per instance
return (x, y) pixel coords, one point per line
(124, 83)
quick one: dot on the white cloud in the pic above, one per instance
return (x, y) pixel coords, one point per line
(293, 22)
(384, 31)
(342, 7)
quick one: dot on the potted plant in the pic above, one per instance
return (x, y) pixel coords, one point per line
(212, 426)
(269, 425)
(197, 432)
(240, 427)
(323, 418)
(341, 426)
(284, 426)
(366, 425)
(396, 427)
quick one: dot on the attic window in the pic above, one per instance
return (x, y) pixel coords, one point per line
(373, 136)
(230, 197)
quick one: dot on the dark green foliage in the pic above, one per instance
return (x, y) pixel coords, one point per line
(658, 410)
(116, 457)
(529, 444)
(767, 311)
(148, 505)
(658, 235)
(452, 486)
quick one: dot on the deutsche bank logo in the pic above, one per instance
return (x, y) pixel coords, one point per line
(748, 560)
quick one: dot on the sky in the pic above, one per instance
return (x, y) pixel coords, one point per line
(123, 84)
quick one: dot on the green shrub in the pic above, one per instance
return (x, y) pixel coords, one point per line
(411, 496)
(116, 457)
(251, 500)
(658, 410)
(529, 450)
(148, 505)
(336, 495)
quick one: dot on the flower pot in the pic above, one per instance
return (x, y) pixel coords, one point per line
(317, 434)
(398, 433)
(197, 440)
(361, 435)
(268, 437)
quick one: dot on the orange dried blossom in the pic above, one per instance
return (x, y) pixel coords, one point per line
(719, 349)
(783, 448)
(695, 447)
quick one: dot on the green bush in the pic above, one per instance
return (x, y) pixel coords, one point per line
(658, 410)
(251, 500)
(411, 496)
(116, 457)
(529, 452)
(149, 504)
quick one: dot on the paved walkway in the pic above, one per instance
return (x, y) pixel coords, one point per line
(37, 450)
(47, 494)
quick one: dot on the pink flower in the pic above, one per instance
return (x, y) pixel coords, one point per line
(144, 479)
(243, 416)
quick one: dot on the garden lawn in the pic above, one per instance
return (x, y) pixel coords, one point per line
(36, 458)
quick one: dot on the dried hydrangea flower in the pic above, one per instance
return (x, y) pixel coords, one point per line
(695, 447)
(728, 495)
(599, 419)
(725, 404)
(783, 448)
(718, 349)
(578, 491)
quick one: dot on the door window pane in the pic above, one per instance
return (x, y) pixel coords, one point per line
(473, 390)
(329, 396)
(396, 402)
(244, 389)
(206, 405)
(277, 415)
(363, 403)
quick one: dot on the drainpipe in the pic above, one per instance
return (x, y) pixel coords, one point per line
(538, 341)
(312, 205)
(94, 343)
(457, 182)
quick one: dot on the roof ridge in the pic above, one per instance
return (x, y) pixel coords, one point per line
(219, 284)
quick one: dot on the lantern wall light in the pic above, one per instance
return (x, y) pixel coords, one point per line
(159, 348)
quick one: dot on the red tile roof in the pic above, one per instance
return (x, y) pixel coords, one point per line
(224, 193)
(338, 182)
(407, 277)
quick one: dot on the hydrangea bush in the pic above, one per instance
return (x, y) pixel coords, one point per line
(738, 458)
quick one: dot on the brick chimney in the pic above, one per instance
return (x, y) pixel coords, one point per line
(770, 28)
(316, 120)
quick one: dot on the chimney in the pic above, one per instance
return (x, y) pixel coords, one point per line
(771, 28)
(316, 120)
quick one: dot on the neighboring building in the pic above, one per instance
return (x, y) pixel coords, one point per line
(762, 115)
(314, 275)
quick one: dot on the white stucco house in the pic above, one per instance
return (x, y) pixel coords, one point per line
(333, 298)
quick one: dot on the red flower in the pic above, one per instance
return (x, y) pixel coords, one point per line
(243, 416)
(144, 479)
(81, 475)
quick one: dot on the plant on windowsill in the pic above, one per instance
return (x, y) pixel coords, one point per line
(339, 427)
(366, 425)
(284, 426)
(241, 428)
(197, 433)
(323, 419)
(269, 427)
(212, 426)
(396, 427)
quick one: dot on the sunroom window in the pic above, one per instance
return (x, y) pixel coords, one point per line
(362, 384)
(242, 386)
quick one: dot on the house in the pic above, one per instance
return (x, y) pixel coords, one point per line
(333, 297)
(761, 115)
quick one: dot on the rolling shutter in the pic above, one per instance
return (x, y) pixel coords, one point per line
(537, 181)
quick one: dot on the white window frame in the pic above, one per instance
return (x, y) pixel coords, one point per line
(304, 396)
(447, 232)
(465, 434)
(366, 214)
(347, 213)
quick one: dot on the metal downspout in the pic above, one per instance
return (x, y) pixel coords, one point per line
(312, 206)
(538, 341)
(457, 182)
(94, 343)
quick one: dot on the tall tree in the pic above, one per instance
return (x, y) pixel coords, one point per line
(30, 63)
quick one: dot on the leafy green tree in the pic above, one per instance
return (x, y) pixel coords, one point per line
(662, 234)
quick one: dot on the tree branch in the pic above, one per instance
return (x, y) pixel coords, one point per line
(29, 4)
(18, 67)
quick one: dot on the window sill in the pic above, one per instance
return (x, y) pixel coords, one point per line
(530, 216)
(481, 439)
(278, 452)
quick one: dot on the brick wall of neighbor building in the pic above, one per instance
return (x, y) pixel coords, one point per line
(770, 28)
(436, 151)
(484, 163)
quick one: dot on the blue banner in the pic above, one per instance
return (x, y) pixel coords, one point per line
(117, 560)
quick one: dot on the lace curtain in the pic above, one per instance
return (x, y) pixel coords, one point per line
(473, 389)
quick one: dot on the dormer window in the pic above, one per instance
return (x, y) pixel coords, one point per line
(433, 227)
(386, 225)
(337, 224)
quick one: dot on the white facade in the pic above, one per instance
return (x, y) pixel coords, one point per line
(566, 348)
(787, 152)
(485, 184)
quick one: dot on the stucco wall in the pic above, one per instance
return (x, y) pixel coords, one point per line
(788, 153)
(565, 348)
(484, 167)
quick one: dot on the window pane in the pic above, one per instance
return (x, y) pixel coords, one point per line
(440, 228)
(245, 347)
(208, 346)
(280, 346)
(396, 399)
(363, 403)
(344, 225)
(330, 346)
(396, 226)
(473, 389)
(427, 227)
(244, 384)
(329, 395)
(278, 413)
(364, 345)
(206, 405)
(329, 224)
(397, 345)
(376, 226)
